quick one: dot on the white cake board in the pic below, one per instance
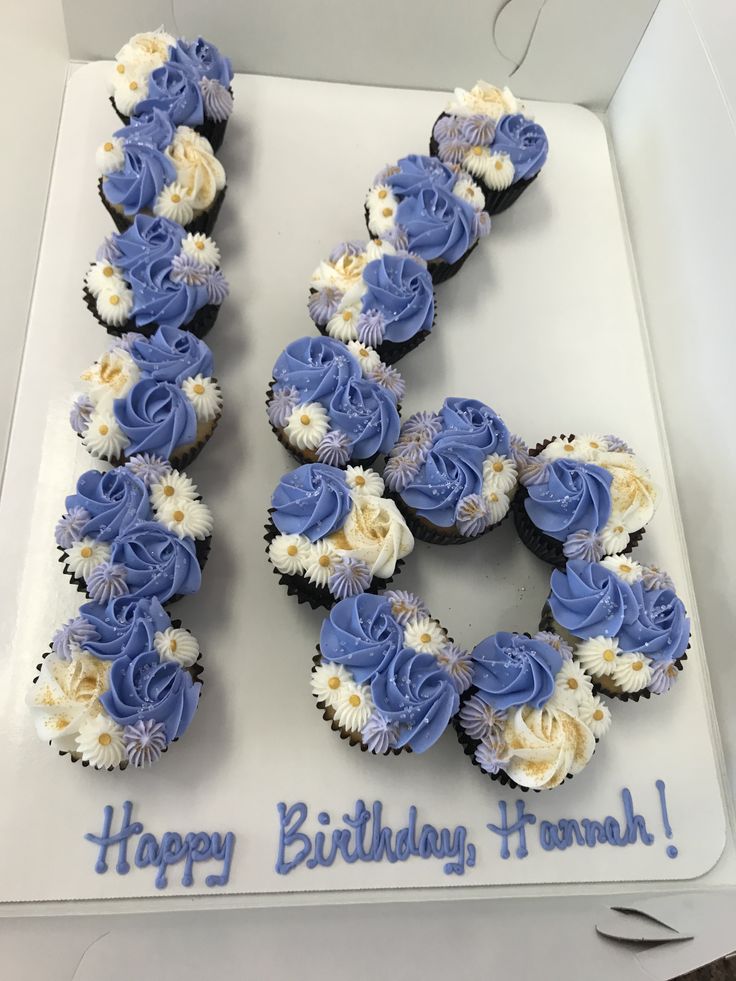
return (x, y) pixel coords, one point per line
(542, 323)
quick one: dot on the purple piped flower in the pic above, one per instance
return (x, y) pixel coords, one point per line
(283, 402)
(144, 741)
(489, 755)
(73, 634)
(355, 247)
(456, 663)
(151, 469)
(323, 303)
(481, 224)
(420, 422)
(519, 452)
(554, 640)
(478, 130)
(371, 327)
(351, 577)
(218, 288)
(378, 734)
(471, 516)
(108, 251)
(398, 237)
(399, 472)
(186, 269)
(390, 379)
(447, 128)
(80, 413)
(125, 341)
(334, 448)
(585, 545)
(535, 472)
(216, 99)
(384, 173)
(654, 578)
(453, 151)
(617, 445)
(106, 581)
(664, 675)
(479, 719)
(69, 527)
(405, 606)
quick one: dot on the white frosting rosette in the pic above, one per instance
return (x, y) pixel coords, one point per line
(374, 531)
(483, 99)
(66, 697)
(545, 745)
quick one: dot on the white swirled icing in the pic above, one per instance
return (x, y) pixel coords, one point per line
(545, 745)
(374, 531)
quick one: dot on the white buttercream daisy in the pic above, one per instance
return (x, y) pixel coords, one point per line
(102, 275)
(343, 325)
(498, 173)
(174, 202)
(499, 474)
(326, 681)
(201, 248)
(290, 553)
(571, 680)
(382, 207)
(187, 519)
(624, 567)
(173, 489)
(104, 437)
(109, 156)
(632, 672)
(112, 377)
(361, 480)
(176, 644)
(205, 396)
(497, 504)
(561, 448)
(306, 426)
(598, 655)
(476, 161)
(469, 191)
(100, 742)
(130, 88)
(614, 537)
(376, 248)
(595, 715)
(425, 635)
(590, 445)
(367, 357)
(353, 706)
(320, 562)
(115, 303)
(84, 555)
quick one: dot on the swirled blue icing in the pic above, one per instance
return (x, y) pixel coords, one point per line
(174, 90)
(661, 629)
(473, 423)
(157, 562)
(312, 500)
(171, 355)
(590, 600)
(447, 476)
(150, 242)
(125, 627)
(510, 669)
(438, 223)
(113, 501)
(140, 180)
(415, 692)
(146, 688)
(202, 59)
(157, 417)
(401, 290)
(156, 131)
(316, 367)
(524, 141)
(163, 300)
(575, 496)
(362, 634)
(367, 413)
(417, 171)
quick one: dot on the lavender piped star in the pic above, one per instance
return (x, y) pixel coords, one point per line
(535, 472)
(69, 527)
(616, 445)
(350, 577)
(107, 581)
(323, 303)
(447, 128)
(453, 151)
(378, 734)
(585, 545)
(283, 402)
(405, 606)
(390, 379)
(354, 247)
(654, 578)
(399, 472)
(149, 468)
(423, 422)
(554, 640)
(481, 224)
(108, 251)
(216, 99)
(186, 269)
(489, 755)
(471, 516)
(73, 634)
(664, 675)
(478, 130)
(144, 741)
(519, 452)
(479, 719)
(456, 663)
(218, 288)
(371, 327)
(334, 448)
(80, 413)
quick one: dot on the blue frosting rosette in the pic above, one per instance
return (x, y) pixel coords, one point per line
(189, 82)
(425, 208)
(454, 473)
(154, 396)
(387, 676)
(627, 626)
(138, 532)
(487, 133)
(120, 683)
(334, 404)
(373, 296)
(529, 717)
(332, 534)
(155, 274)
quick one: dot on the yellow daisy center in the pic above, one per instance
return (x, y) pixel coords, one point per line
(104, 739)
(333, 683)
(108, 146)
(637, 665)
(354, 700)
(324, 561)
(598, 715)
(304, 419)
(199, 245)
(172, 645)
(103, 430)
(382, 194)
(85, 552)
(425, 638)
(133, 86)
(292, 550)
(107, 271)
(572, 683)
(360, 480)
(176, 198)
(178, 515)
(387, 212)
(608, 655)
(168, 491)
(120, 69)
(477, 150)
(199, 389)
(498, 466)
(114, 299)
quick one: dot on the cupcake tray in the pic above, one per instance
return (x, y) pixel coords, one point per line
(543, 324)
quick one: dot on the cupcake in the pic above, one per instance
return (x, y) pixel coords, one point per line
(453, 472)
(334, 404)
(332, 534)
(151, 396)
(118, 685)
(189, 81)
(625, 624)
(488, 133)
(370, 295)
(141, 530)
(153, 275)
(428, 209)
(583, 497)
(529, 718)
(157, 168)
(386, 676)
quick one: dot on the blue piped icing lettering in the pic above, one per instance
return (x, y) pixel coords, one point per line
(172, 849)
